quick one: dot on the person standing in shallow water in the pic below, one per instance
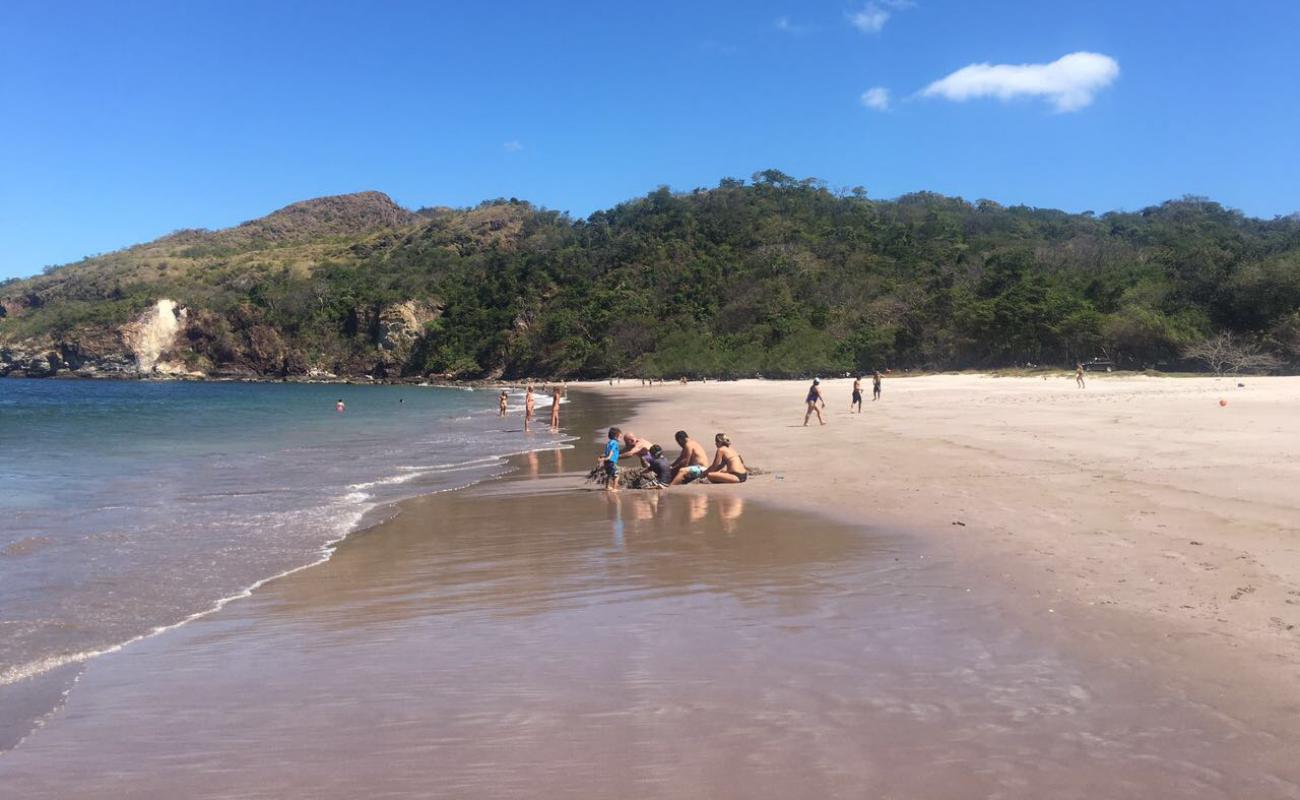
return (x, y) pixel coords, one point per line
(557, 392)
(502, 401)
(813, 399)
(530, 404)
(875, 385)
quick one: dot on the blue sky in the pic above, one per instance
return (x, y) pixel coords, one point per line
(122, 121)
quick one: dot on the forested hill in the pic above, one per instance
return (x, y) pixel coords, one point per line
(775, 277)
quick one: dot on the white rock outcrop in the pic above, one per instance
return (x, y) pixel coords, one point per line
(152, 336)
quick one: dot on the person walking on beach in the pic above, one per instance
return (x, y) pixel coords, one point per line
(609, 459)
(813, 399)
(692, 462)
(502, 402)
(1078, 375)
(529, 404)
(556, 393)
(857, 395)
(875, 385)
(727, 466)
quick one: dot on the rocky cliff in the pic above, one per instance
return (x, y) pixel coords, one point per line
(119, 315)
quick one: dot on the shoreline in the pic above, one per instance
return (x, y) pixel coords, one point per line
(38, 689)
(521, 635)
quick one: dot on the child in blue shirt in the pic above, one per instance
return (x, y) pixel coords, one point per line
(609, 459)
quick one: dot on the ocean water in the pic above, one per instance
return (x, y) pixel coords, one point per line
(127, 508)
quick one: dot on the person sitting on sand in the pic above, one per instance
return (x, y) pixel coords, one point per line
(657, 466)
(727, 466)
(1078, 375)
(502, 402)
(875, 386)
(857, 395)
(634, 446)
(692, 462)
(813, 399)
(609, 459)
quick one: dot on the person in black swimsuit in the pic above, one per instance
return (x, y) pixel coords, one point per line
(857, 395)
(727, 466)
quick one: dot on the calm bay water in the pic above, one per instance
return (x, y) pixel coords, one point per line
(129, 507)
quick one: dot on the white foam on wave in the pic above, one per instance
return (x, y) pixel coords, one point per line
(43, 665)
(357, 504)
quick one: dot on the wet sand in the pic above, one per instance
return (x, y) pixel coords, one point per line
(528, 639)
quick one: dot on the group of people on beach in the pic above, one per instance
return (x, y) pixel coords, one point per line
(691, 465)
(530, 406)
(816, 401)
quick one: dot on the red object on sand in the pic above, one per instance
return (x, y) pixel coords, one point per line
(1223, 402)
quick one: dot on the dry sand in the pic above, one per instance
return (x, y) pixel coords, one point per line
(1140, 509)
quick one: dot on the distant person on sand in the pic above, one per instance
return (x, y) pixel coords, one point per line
(502, 402)
(857, 395)
(813, 399)
(727, 466)
(875, 386)
(556, 393)
(609, 459)
(692, 462)
(1078, 375)
(529, 403)
(339, 407)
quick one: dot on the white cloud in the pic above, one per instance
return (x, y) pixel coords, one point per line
(784, 25)
(513, 146)
(877, 97)
(1069, 83)
(873, 16)
(871, 19)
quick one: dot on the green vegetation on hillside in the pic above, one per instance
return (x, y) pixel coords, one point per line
(776, 276)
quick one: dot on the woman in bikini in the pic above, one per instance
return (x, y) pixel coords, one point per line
(728, 466)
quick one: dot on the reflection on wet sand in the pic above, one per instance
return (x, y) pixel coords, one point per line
(668, 644)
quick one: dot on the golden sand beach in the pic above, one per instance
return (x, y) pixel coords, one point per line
(1166, 507)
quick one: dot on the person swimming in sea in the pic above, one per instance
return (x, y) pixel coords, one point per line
(727, 466)
(692, 462)
(502, 401)
(813, 399)
(857, 395)
(339, 407)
